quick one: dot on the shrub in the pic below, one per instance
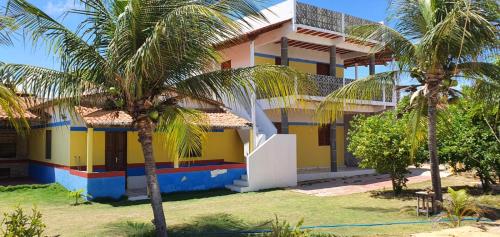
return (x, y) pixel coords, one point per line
(284, 229)
(468, 137)
(458, 206)
(381, 142)
(18, 223)
(77, 196)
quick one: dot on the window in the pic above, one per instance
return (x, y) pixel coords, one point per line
(226, 65)
(48, 144)
(324, 135)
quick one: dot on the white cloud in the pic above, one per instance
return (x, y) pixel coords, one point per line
(58, 7)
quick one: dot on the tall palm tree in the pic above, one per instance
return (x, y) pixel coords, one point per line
(145, 56)
(435, 42)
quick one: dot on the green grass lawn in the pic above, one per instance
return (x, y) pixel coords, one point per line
(222, 210)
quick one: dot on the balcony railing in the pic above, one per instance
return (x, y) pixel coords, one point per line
(327, 19)
(327, 84)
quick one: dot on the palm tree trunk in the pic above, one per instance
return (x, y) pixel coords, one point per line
(432, 140)
(146, 129)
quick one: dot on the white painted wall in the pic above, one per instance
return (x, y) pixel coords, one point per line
(273, 164)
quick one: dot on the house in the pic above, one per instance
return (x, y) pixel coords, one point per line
(248, 147)
(97, 150)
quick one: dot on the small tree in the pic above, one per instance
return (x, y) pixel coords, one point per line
(18, 223)
(470, 137)
(381, 142)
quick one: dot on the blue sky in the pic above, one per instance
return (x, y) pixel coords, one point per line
(24, 53)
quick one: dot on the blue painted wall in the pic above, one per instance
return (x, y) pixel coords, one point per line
(109, 187)
(114, 187)
(197, 180)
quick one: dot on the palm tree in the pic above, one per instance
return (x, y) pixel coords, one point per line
(435, 42)
(145, 56)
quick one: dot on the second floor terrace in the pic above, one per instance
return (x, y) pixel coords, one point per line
(314, 41)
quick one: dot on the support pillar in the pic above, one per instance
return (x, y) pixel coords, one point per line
(284, 62)
(333, 61)
(333, 147)
(253, 99)
(372, 64)
(356, 75)
(90, 150)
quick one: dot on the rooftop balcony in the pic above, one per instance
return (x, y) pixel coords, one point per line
(327, 84)
(327, 19)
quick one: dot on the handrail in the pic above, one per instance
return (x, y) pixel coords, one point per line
(314, 16)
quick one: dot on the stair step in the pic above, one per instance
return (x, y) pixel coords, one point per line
(239, 189)
(244, 177)
(138, 198)
(240, 182)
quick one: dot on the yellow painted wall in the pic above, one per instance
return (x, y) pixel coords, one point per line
(78, 148)
(60, 145)
(309, 153)
(225, 145)
(263, 60)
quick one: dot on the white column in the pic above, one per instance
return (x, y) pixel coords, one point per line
(253, 100)
(90, 150)
(356, 71)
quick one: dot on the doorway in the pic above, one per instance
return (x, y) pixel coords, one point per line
(116, 151)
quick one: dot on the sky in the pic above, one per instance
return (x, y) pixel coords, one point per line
(23, 52)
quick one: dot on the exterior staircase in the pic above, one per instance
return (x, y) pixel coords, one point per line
(239, 185)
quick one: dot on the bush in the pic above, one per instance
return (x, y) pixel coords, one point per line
(468, 140)
(17, 224)
(77, 196)
(284, 229)
(458, 206)
(381, 142)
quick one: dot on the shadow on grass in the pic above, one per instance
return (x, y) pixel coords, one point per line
(174, 197)
(409, 194)
(211, 225)
(221, 224)
(374, 209)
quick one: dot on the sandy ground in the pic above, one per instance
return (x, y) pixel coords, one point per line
(359, 183)
(478, 230)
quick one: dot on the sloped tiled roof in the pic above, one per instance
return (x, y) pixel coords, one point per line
(227, 120)
(26, 104)
(98, 117)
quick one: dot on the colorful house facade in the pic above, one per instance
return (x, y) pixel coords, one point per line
(248, 148)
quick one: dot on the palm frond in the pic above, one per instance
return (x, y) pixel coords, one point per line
(11, 106)
(182, 131)
(6, 29)
(75, 54)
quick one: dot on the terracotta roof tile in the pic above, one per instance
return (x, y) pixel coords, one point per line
(99, 117)
(26, 103)
(227, 120)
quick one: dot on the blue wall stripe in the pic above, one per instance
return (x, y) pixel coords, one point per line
(78, 129)
(292, 59)
(114, 129)
(54, 124)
